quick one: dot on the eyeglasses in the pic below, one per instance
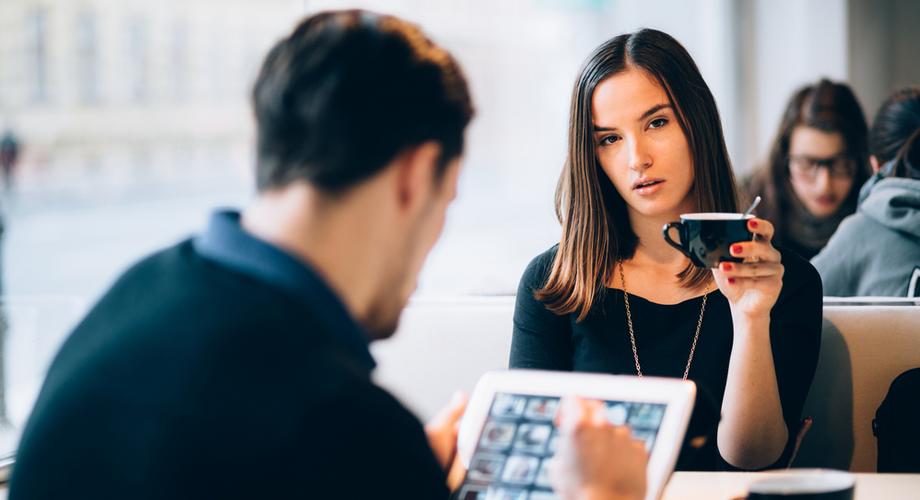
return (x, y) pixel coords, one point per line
(806, 167)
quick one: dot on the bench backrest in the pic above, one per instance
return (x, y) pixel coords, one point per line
(863, 349)
(444, 345)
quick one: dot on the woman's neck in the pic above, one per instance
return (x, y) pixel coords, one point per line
(651, 247)
(654, 266)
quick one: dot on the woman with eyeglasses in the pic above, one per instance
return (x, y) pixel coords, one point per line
(816, 166)
(876, 251)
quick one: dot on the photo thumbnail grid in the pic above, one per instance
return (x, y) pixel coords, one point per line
(519, 438)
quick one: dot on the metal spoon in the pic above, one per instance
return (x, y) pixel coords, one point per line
(752, 207)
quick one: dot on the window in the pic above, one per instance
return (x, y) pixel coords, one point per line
(137, 58)
(184, 153)
(37, 53)
(178, 60)
(87, 57)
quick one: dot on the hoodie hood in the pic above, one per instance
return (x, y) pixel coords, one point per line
(894, 203)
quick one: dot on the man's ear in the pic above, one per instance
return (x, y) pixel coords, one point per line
(417, 170)
(874, 162)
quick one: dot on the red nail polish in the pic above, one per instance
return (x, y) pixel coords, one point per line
(736, 249)
(731, 281)
(753, 224)
(727, 266)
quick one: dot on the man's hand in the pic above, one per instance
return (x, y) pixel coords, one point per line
(596, 459)
(442, 430)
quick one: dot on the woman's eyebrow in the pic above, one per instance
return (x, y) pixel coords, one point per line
(651, 111)
(654, 109)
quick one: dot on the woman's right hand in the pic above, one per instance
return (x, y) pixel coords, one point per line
(596, 459)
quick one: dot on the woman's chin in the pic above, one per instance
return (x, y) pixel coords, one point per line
(656, 209)
(821, 211)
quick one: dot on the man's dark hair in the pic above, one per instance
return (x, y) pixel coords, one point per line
(348, 91)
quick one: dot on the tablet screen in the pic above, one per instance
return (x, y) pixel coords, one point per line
(519, 437)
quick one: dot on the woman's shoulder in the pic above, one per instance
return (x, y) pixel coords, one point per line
(529, 310)
(539, 267)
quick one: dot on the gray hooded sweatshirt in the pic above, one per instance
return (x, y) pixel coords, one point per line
(876, 251)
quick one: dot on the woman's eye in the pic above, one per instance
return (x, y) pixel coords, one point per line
(658, 122)
(610, 139)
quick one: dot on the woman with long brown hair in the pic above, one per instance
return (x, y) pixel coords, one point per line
(645, 145)
(816, 166)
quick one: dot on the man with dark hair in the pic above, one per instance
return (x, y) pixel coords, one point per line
(235, 364)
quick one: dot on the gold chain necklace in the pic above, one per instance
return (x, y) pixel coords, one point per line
(632, 335)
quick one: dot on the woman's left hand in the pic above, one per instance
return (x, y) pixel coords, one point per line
(752, 286)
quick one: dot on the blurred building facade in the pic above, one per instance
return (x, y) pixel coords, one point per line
(113, 92)
(120, 100)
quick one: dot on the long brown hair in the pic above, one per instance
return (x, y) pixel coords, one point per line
(595, 227)
(826, 106)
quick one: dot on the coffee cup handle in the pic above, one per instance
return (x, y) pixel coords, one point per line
(665, 231)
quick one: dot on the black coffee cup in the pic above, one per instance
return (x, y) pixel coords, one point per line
(707, 237)
(803, 484)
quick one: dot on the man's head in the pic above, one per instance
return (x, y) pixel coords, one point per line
(347, 92)
(367, 113)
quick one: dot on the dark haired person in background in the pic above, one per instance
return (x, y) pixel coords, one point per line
(9, 156)
(645, 145)
(236, 364)
(817, 163)
(876, 251)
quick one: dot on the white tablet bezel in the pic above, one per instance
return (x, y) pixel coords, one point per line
(678, 395)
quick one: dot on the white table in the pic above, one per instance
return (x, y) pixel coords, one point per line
(731, 485)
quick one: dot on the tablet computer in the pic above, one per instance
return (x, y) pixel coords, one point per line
(508, 435)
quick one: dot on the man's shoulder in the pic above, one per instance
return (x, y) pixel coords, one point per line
(177, 268)
(180, 265)
(181, 285)
(177, 312)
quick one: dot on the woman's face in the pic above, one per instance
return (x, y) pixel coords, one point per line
(820, 172)
(640, 145)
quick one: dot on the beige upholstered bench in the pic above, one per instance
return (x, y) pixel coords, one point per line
(446, 344)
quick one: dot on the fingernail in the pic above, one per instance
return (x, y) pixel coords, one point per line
(727, 266)
(731, 281)
(736, 249)
(753, 224)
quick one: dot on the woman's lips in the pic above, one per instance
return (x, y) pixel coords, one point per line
(649, 189)
(826, 200)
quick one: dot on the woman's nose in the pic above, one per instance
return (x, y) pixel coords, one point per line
(639, 158)
(822, 178)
